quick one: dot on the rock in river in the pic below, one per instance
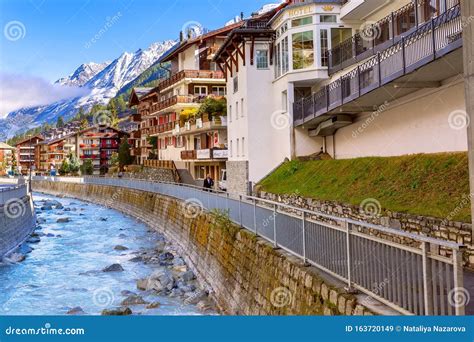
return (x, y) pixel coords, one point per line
(117, 312)
(113, 268)
(63, 220)
(134, 300)
(76, 311)
(120, 248)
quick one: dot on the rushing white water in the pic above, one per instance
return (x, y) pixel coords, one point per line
(64, 269)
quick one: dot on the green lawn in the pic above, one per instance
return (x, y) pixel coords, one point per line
(424, 184)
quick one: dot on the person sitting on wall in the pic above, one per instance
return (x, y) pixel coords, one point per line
(208, 182)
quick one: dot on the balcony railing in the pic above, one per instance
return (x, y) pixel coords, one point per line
(428, 42)
(382, 34)
(189, 74)
(208, 153)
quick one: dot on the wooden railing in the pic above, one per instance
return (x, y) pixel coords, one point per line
(428, 42)
(188, 155)
(189, 74)
(382, 34)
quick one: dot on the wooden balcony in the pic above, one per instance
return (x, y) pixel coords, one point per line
(385, 33)
(188, 155)
(136, 117)
(411, 54)
(189, 74)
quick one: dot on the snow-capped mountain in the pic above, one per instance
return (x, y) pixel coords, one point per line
(102, 81)
(82, 74)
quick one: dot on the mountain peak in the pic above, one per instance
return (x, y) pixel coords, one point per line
(82, 74)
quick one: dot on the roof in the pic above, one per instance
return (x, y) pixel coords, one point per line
(136, 94)
(4, 146)
(168, 55)
(38, 136)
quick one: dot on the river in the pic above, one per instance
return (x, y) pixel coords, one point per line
(64, 269)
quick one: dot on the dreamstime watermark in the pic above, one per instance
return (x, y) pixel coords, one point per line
(368, 121)
(459, 297)
(103, 297)
(14, 30)
(192, 29)
(370, 208)
(370, 31)
(459, 119)
(192, 208)
(281, 297)
(109, 22)
(102, 118)
(113, 198)
(15, 208)
(47, 329)
(463, 203)
(280, 120)
(377, 289)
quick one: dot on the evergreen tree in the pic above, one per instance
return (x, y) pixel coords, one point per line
(124, 156)
(65, 167)
(87, 168)
(60, 122)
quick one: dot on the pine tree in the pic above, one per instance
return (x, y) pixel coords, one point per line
(60, 122)
(124, 156)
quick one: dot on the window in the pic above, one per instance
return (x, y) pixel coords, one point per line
(238, 147)
(284, 56)
(301, 21)
(323, 36)
(236, 110)
(200, 90)
(236, 84)
(303, 50)
(327, 18)
(242, 107)
(243, 147)
(262, 59)
(278, 61)
(218, 90)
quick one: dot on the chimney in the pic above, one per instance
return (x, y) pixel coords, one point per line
(180, 36)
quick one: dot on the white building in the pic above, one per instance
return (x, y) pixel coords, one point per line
(349, 78)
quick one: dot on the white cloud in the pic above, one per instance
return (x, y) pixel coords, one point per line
(21, 91)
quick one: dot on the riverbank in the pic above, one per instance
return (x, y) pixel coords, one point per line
(88, 259)
(244, 274)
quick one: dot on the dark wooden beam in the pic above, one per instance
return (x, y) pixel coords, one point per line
(234, 61)
(229, 67)
(237, 48)
(252, 46)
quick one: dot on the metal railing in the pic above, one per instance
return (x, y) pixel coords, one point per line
(411, 273)
(428, 42)
(12, 192)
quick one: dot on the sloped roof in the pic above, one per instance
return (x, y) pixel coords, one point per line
(4, 146)
(136, 95)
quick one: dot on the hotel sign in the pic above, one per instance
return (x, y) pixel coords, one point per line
(219, 154)
(203, 154)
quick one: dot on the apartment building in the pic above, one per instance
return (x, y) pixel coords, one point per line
(6, 158)
(26, 154)
(349, 78)
(140, 147)
(174, 112)
(53, 152)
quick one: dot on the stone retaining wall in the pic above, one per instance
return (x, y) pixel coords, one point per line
(243, 273)
(430, 226)
(17, 222)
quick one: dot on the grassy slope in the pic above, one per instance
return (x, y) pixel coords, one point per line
(424, 184)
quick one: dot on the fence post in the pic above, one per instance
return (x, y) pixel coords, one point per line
(227, 202)
(255, 216)
(433, 37)
(404, 58)
(304, 237)
(275, 226)
(458, 280)
(427, 288)
(240, 210)
(348, 252)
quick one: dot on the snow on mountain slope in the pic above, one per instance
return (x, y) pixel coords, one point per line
(103, 81)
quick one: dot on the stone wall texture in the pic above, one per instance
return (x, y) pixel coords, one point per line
(17, 222)
(243, 273)
(237, 177)
(444, 229)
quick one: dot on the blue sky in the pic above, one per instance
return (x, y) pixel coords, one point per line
(53, 34)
